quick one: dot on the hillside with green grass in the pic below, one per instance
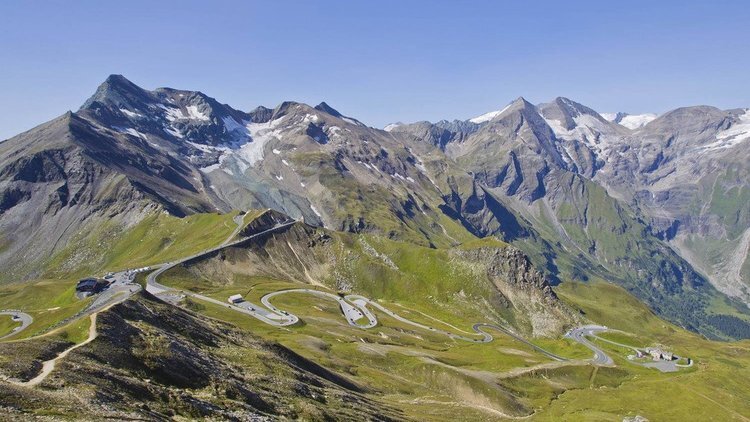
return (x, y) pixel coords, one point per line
(157, 238)
(47, 301)
(712, 389)
(549, 392)
(405, 371)
(472, 279)
(606, 240)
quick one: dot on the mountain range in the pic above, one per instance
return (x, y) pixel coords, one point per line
(659, 205)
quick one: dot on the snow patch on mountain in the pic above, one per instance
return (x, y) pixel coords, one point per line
(312, 207)
(233, 125)
(736, 134)
(589, 130)
(333, 132)
(175, 113)
(195, 114)
(247, 147)
(486, 117)
(130, 114)
(350, 120)
(209, 169)
(260, 133)
(630, 121)
(174, 132)
(636, 121)
(202, 147)
(132, 132)
(225, 153)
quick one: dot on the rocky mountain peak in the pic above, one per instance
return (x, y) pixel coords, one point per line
(120, 83)
(117, 91)
(324, 107)
(260, 114)
(521, 103)
(700, 123)
(685, 114)
(283, 109)
(568, 112)
(518, 103)
(328, 109)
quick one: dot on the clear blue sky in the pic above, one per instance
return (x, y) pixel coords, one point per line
(379, 61)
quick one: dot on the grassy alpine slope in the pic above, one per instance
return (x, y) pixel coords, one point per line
(433, 378)
(604, 239)
(409, 372)
(157, 238)
(713, 389)
(47, 301)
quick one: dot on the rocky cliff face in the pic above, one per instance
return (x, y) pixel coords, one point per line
(688, 174)
(523, 287)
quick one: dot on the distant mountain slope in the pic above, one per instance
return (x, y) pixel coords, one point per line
(574, 189)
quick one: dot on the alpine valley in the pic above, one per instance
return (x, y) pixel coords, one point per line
(295, 263)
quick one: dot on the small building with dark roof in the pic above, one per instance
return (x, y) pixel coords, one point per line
(91, 285)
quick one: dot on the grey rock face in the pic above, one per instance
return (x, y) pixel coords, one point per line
(607, 190)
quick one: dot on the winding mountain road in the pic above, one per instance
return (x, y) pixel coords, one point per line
(153, 287)
(18, 316)
(361, 303)
(353, 307)
(352, 312)
(579, 335)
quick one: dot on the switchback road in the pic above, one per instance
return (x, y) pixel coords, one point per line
(579, 335)
(23, 318)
